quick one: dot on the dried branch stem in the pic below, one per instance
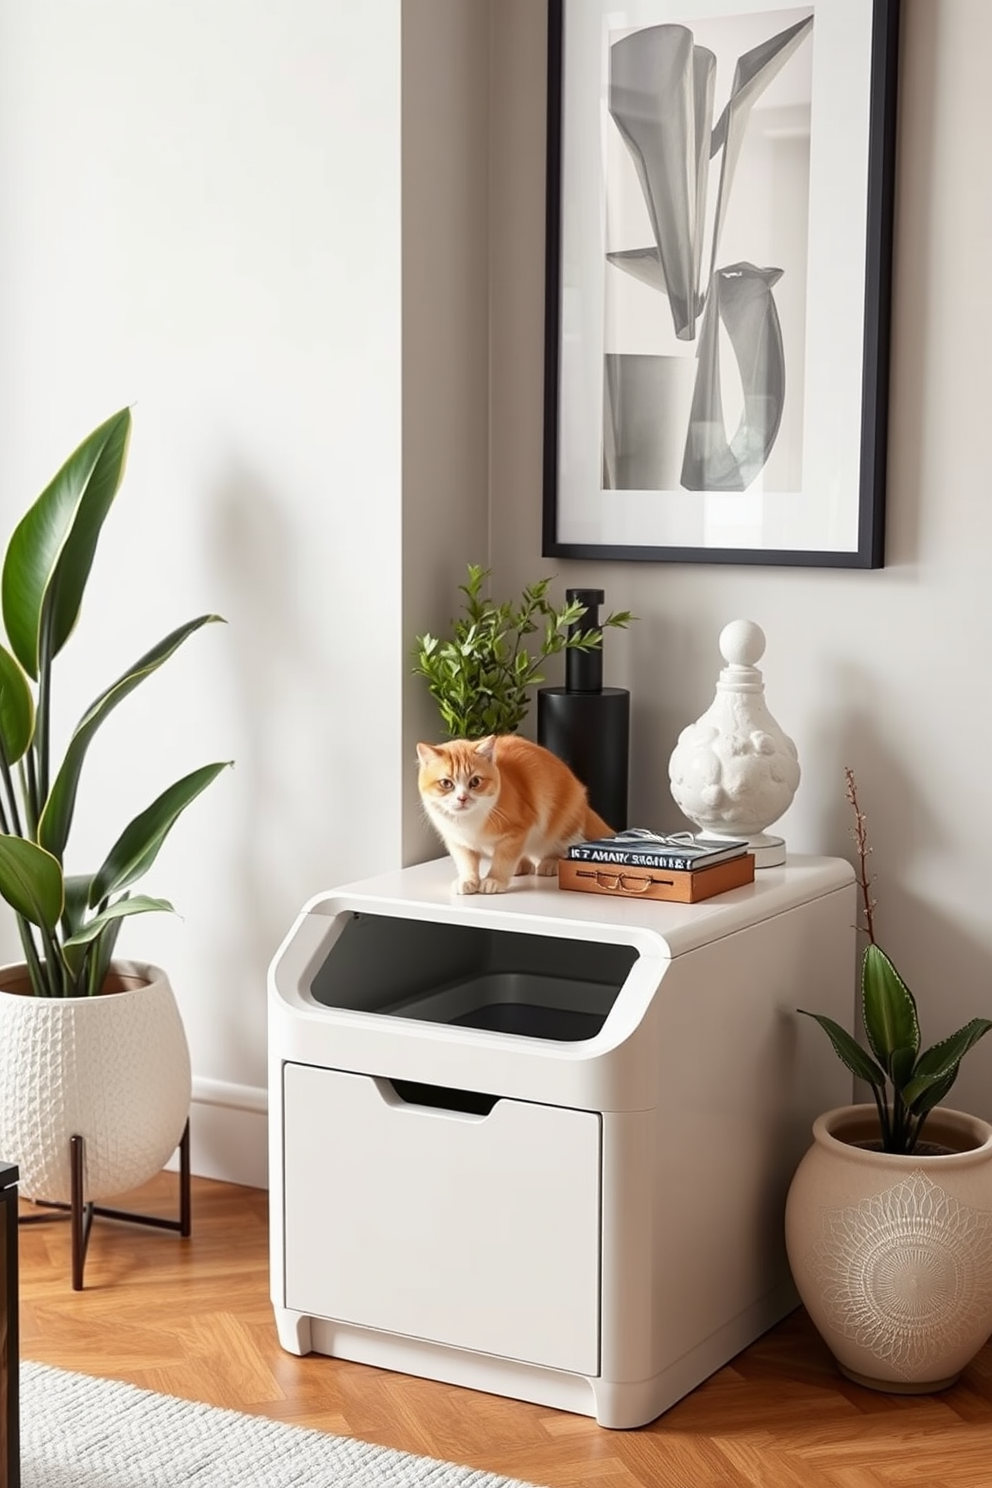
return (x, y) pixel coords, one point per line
(860, 834)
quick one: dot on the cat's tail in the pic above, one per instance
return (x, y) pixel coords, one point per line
(594, 826)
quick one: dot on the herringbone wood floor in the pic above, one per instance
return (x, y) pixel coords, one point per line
(192, 1318)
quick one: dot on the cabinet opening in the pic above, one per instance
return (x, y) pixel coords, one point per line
(493, 980)
(443, 1098)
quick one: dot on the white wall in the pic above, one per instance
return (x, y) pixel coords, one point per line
(201, 208)
(883, 671)
(265, 225)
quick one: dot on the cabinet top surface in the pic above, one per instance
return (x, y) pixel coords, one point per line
(539, 905)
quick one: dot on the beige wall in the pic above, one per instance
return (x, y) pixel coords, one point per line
(883, 671)
(445, 336)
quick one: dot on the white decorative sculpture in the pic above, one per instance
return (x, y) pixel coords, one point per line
(734, 771)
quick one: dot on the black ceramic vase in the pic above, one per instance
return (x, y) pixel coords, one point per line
(588, 725)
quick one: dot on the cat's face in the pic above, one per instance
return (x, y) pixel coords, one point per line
(458, 779)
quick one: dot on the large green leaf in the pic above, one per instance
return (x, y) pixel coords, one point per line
(16, 709)
(889, 1008)
(849, 1050)
(137, 847)
(938, 1067)
(74, 949)
(31, 881)
(77, 897)
(51, 550)
(951, 1050)
(56, 817)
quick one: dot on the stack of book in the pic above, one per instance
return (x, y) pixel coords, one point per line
(643, 864)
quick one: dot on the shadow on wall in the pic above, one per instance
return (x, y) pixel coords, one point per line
(284, 726)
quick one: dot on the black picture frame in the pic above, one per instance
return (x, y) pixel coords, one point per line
(802, 479)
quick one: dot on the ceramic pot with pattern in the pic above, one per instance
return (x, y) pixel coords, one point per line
(113, 1069)
(892, 1253)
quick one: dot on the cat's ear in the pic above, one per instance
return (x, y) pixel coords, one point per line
(485, 747)
(426, 753)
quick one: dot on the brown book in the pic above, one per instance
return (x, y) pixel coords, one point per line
(686, 887)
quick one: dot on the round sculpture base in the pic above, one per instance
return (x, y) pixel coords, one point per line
(769, 852)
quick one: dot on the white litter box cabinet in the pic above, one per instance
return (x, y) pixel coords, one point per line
(539, 1143)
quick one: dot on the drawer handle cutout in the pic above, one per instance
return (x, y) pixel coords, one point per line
(442, 1097)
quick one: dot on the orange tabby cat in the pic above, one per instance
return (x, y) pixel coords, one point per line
(505, 799)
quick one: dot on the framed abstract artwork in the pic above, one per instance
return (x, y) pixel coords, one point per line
(719, 234)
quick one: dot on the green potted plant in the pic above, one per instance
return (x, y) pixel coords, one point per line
(480, 677)
(889, 1233)
(73, 1060)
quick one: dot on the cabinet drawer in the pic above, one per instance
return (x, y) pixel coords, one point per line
(482, 1232)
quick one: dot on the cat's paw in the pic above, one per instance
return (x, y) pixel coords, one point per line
(492, 885)
(524, 868)
(547, 867)
(466, 885)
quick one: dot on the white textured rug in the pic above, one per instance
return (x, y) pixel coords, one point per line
(78, 1432)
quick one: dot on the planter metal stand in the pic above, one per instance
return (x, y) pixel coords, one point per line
(81, 1214)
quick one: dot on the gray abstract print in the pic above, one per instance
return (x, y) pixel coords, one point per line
(668, 415)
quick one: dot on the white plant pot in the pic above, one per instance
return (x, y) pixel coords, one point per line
(892, 1253)
(113, 1069)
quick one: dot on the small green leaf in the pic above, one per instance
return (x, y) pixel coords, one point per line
(77, 890)
(939, 1066)
(889, 1008)
(56, 816)
(50, 553)
(922, 1100)
(916, 1094)
(16, 709)
(849, 1050)
(31, 881)
(901, 1066)
(139, 904)
(138, 845)
(75, 947)
(951, 1050)
(100, 956)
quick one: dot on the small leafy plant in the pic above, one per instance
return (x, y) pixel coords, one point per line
(919, 1082)
(68, 924)
(480, 678)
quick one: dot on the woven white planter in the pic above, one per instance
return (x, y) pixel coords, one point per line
(113, 1069)
(892, 1254)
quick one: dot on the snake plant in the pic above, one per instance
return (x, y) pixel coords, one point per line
(918, 1081)
(68, 924)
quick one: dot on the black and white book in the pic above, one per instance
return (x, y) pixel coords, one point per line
(639, 847)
